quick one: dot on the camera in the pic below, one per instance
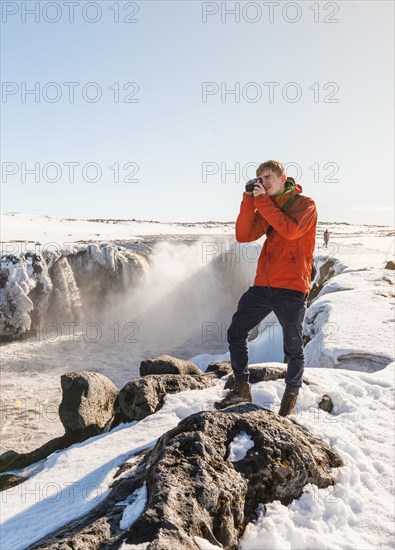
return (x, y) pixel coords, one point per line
(251, 184)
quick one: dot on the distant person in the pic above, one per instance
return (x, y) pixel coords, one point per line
(326, 238)
(274, 207)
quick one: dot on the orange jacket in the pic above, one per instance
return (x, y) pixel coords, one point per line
(287, 253)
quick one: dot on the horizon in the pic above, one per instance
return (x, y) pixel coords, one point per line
(197, 222)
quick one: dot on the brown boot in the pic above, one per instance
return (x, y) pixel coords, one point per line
(241, 393)
(288, 403)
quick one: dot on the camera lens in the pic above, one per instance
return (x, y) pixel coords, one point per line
(251, 184)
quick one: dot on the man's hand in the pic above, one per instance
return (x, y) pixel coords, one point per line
(258, 190)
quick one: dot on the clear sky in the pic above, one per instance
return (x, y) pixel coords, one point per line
(152, 103)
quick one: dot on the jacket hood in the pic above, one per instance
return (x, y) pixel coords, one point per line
(290, 182)
(298, 189)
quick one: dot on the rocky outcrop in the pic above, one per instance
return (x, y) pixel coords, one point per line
(196, 487)
(86, 410)
(195, 490)
(88, 400)
(144, 396)
(325, 272)
(105, 270)
(219, 369)
(260, 373)
(91, 405)
(166, 364)
(390, 265)
(62, 285)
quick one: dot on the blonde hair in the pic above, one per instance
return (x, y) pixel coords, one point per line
(273, 165)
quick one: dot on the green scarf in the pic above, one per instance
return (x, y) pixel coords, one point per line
(289, 187)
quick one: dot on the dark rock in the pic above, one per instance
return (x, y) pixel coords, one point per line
(166, 364)
(326, 272)
(6, 459)
(306, 339)
(91, 539)
(144, 396)
(88, 399)
(219, 368)
(91, 400)
(390, 265)
(326, 403)
(193, 490)
(86, 410)
(4, 274)
(10, 480)
(260, 373)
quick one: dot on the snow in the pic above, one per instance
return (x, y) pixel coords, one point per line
(204, 544)
(239, 446)
(83, 473)
(132, 511)
(356, 513)
(350, 357)
(125, 546)
(50, 230)
(14, 301)
(341, 332)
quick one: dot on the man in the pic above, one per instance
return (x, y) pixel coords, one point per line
(326, 238)
(276, 208)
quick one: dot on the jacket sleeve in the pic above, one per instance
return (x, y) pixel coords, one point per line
(250, 225)
(290, 225)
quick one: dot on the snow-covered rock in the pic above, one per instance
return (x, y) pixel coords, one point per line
(24, 283)
(189, 488)
(144, 396)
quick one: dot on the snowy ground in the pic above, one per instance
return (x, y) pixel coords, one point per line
(32, 230)
(356, 513)
(29, 228)
(350, 355)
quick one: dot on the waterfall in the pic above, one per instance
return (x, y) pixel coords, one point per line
(190, 291)
(169, 291)
(65, 299)
(174, 296)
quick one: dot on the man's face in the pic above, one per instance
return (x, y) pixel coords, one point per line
(272, 183)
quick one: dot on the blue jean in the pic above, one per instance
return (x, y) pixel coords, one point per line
(255, 304)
